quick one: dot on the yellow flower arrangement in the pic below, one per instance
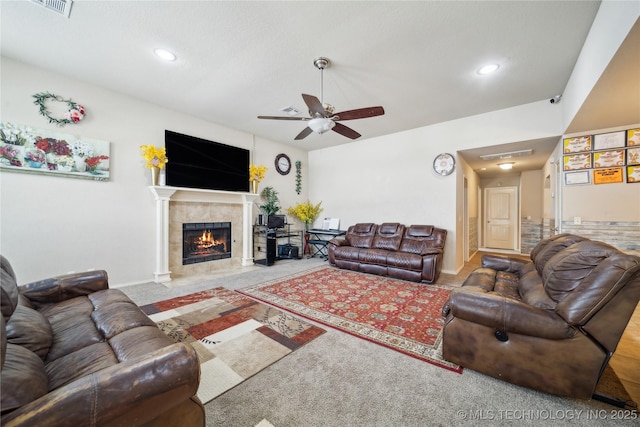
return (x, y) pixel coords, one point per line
(256, 173)
(306, 212)
(154, 156)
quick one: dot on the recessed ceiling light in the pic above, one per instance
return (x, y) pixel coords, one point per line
(506, 165)
(165, 54)
(488, 69)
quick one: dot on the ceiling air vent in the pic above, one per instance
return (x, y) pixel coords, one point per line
(290, 111)
(62, 7)
(507, 155)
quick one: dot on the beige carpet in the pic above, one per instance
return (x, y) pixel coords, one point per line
(235, 337)
(340, 380)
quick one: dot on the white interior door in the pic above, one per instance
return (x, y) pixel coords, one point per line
(501, 217)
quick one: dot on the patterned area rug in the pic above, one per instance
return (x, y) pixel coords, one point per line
(401, 315)
(235, 337)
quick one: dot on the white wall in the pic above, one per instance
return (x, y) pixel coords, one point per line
(390, 178)
(531, 186)
(52, 225)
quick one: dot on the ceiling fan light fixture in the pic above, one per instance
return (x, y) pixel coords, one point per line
(506, 165)
(321, 124)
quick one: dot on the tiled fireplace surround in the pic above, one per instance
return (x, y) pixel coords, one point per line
(175, 206)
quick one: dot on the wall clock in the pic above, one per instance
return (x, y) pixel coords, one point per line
(444, 164)
(283, 164)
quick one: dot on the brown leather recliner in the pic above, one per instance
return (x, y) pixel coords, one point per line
(391, 249)
(76, 353)
(550, 324)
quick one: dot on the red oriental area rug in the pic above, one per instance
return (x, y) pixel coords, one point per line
(401, 315)
(234, 336)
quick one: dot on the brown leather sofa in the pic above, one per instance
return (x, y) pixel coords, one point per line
(550, 324)
(76, 353)
(391, 249)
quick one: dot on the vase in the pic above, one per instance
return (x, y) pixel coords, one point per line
(80, 164)
(155, 176)
(254, 187)
(34, 165)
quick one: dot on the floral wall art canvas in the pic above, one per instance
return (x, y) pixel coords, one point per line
(25, 149)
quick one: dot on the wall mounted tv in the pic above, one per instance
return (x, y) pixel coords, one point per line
(198, 163)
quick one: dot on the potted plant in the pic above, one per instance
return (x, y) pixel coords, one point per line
(271, 201)
(256, 174)
(306, 212)
(155, 159)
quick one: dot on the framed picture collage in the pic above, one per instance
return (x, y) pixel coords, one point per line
(606, 158)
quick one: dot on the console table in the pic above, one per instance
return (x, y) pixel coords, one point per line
(318, 239)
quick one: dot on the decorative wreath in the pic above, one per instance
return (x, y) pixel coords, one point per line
(73, 115)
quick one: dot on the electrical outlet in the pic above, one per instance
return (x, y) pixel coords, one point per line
(577, 220)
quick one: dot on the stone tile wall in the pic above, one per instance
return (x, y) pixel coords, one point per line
(623, 235)
(185, 212)
(473, 235)
(530, 234)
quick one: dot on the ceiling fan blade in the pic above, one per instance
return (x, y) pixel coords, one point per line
(283, 118)
(346, 131)
(314, 104)
(305, 132)
(360, 113)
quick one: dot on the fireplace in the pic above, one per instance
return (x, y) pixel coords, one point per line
(205, 241)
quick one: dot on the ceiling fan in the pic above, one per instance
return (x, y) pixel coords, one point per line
(322, 117)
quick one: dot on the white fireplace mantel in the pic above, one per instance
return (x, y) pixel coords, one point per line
(164, 194)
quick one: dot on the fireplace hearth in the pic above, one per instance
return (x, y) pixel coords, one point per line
(205, 241)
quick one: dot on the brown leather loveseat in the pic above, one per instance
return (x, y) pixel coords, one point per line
(550, 324)
(76, 353)
(391, 249)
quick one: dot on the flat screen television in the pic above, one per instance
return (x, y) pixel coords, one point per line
(198, 163)
(275, 221)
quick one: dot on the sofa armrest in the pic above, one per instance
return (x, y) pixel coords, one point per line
(338, 242)
(61, 288)
(431, 251)
(507, 314)
(504, 263)
(130, 393)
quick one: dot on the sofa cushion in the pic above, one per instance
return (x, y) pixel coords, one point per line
(364, 228)
(600, 283)
(507, 285)
(532, 290)
(80, 363)
(361, 235)
(420, 230)
(30, 329)
(72, 326)
(388, 236)
(405, 260)
(347, 253)
(566, 270)
(423, 240)
(9, 294)
(23, 378)
(373, 256)
(546, 249)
